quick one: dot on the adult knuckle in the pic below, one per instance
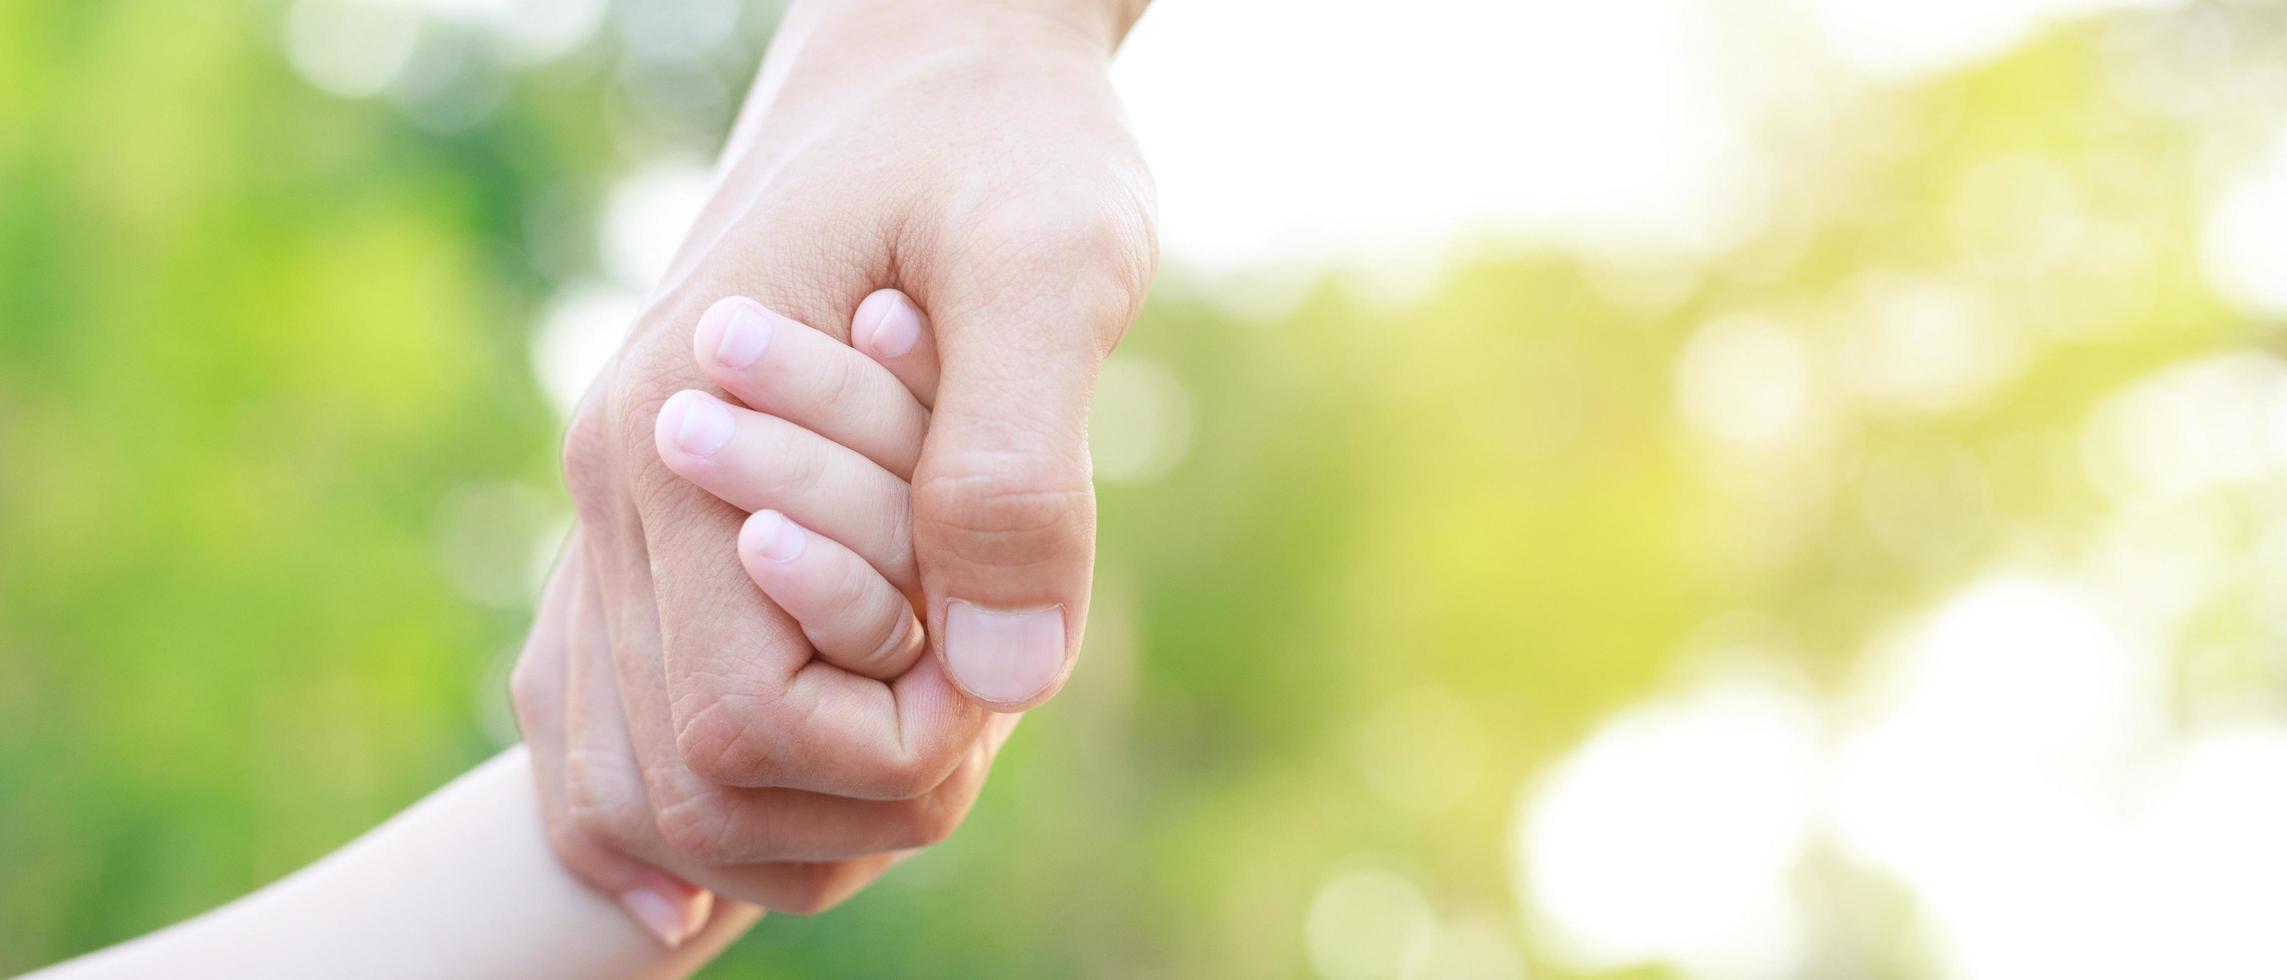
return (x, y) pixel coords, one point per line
(1134, 263)
(611, 431)
(1046, 222)
(595, 812)
(809, 890)
(635, 403)
(1114, 233)
(908, 776)
(697, 825)
(662, 499)
(585, 457)
(725, 739)
(929, 821)
(651, 369)
(1085, 236)
(1024, 499)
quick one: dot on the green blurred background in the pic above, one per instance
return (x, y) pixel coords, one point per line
(1409, 593)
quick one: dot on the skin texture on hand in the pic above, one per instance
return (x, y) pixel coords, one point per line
(973, 157)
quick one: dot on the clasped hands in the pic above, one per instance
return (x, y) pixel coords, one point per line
(835, 521)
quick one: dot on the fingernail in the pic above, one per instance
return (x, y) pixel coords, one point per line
(705, 426)
(1003, 656)
(667, 908)
(777, 538)
(745, 334)
(896, 326)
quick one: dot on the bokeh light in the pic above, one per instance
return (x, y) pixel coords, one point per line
(1369, 923)
(1671, 834)
(351, 47)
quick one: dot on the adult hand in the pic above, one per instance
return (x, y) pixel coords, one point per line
(971, 154)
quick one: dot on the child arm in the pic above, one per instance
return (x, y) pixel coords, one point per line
(463, 884)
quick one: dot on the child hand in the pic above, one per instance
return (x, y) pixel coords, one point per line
(822, 455)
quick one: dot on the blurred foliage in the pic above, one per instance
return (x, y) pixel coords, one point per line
(258, 344)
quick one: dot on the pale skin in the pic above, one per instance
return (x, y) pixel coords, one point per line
(465, 884)
(937, 183)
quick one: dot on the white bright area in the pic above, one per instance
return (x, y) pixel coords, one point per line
(2001, 756)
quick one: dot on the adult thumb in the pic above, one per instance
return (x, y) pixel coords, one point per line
(1004, 508)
